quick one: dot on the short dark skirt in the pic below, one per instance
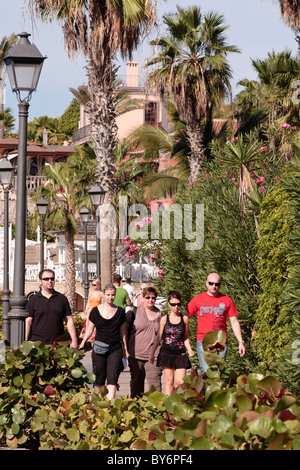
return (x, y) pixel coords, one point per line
(173, 361)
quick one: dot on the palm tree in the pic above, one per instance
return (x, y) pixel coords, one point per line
(276, 75)
(6, 43)
(36, 128)
(239, 155)
(192, 68)
(7, 119)
(100, 29)
(290, 12)
(65, 191)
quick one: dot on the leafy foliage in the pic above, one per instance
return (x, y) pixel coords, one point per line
(68, 121)
(45, 403)
(271, 321)
(228, 248)
(224, 411)
(31, 378)
(288, 367)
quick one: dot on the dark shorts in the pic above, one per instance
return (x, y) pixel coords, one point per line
(107, 367)
(173, 361)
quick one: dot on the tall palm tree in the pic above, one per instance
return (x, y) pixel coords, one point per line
(100, 29)
(6, 43)
(277, 74)
(192, 68)
(270, 98)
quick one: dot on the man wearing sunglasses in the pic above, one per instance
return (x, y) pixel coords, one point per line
(47, 311)
(213, 308)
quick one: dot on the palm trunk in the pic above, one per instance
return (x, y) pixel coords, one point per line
(196, 156)
(101, 110)
(70, 289)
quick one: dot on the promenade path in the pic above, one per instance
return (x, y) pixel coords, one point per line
(124, 379)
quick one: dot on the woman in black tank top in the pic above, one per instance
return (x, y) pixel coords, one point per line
(173, 332)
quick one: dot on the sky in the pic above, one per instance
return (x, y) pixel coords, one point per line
(256, 28)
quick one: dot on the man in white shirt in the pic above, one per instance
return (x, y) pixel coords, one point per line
(130, 289)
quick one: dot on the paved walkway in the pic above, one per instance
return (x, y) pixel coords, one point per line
(124, 379)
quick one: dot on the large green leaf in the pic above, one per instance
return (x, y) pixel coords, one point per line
(202, 443)
(270, 385)
(184, 411)
(213, 359)
(261, 426)
(214, 341)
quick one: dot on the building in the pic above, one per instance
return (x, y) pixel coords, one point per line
(152, 110)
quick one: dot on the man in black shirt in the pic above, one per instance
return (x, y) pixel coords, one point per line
(47, 311)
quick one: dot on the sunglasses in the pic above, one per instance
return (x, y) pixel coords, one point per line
(175, 305)
(214, 284)
(152, 298)
(95, 285)
(48, 279)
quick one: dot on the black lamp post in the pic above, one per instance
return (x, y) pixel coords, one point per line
(7, 171)
(97, 195)
(23, 64)
(42, 206)
(85, 215)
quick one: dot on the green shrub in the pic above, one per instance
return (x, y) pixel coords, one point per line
(45, 404)
(220, 412)
(32, 377)
(272, 321)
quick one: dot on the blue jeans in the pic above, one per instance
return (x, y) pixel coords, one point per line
(203, 365)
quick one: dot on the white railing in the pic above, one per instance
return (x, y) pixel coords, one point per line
(136, 271)
(32, 272)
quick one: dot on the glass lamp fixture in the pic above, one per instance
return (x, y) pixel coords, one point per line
(24, 64)
(97, 194)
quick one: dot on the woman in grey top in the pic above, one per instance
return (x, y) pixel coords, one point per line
(142, 329)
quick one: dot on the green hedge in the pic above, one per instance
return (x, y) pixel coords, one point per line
(46, 403)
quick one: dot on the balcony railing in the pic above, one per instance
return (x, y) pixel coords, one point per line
(32, 182)
(84, 133)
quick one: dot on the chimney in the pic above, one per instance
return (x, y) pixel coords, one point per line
(132, 74)
(45, 137)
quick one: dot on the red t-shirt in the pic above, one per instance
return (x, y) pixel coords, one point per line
(212, 312)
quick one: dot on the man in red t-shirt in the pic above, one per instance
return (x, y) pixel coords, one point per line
(213, 309)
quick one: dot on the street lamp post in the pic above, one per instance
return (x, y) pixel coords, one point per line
(42, 206)
(7, 171)
(85, 215)
(97, 195)
(23, 64)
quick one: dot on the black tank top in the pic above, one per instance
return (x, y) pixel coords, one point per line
(173, 337)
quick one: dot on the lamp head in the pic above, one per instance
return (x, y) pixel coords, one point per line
(42, 205)
(7, 171)
(85, 215)
(24, 64)
(97, 194)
